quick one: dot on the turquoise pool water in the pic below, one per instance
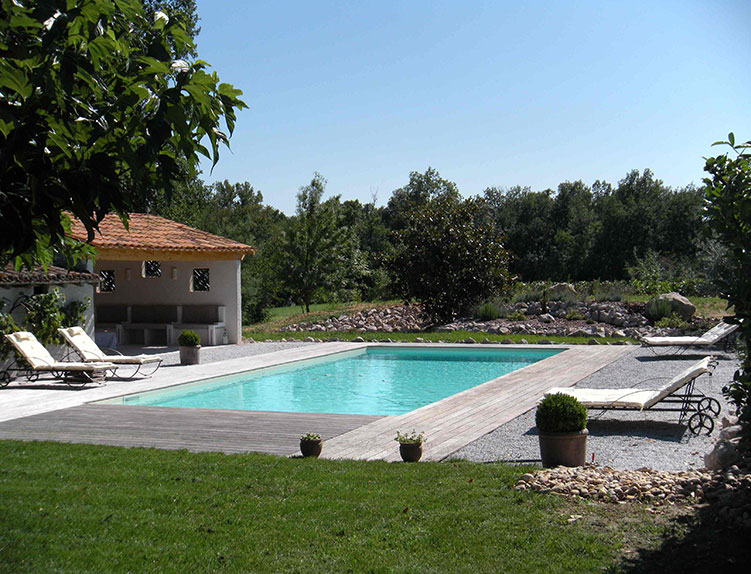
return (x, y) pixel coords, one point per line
(373, 381)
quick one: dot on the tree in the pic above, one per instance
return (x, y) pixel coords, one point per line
(728, 209)
(97, 111)
(449, 257)
(421, 189)
(318, 253)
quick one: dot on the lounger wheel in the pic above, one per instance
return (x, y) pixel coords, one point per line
(32, 377)
(700, 422)
(709, 405)
(4, 378)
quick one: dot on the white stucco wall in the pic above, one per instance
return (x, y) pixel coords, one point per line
(164, 290)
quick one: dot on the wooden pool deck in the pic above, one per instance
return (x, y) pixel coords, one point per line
(61, 415)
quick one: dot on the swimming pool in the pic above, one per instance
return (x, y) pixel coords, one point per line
(371, 381)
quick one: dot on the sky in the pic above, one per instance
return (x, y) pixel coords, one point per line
(490, 94)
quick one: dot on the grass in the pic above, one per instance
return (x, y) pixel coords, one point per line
(85, 508)
(431, 336)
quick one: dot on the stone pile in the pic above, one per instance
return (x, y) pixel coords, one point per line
(393, 319)
(728, 492)
(726, 450)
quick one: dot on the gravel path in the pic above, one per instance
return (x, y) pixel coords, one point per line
(622, 439)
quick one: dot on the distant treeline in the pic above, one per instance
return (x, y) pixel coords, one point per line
(638, 229)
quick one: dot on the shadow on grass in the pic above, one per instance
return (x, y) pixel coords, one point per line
(703, 541)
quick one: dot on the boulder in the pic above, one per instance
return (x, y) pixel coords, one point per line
(678, 304)
(724, 454)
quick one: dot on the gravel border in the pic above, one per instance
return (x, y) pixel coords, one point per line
(622, 439)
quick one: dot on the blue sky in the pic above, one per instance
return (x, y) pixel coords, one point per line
(487, 93)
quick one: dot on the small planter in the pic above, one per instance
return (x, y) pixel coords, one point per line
(190, 355)
(411, 451)
(563, 448)
(311, 447)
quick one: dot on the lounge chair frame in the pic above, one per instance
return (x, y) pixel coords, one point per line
(89, 352)
(693, 405)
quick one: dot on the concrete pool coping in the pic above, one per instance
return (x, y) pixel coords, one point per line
(448, 424)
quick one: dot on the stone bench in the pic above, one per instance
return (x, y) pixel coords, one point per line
(150, 325)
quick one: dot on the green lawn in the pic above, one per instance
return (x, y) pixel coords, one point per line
(83, 508)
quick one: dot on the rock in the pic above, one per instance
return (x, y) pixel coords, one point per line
(723, 455)
(544, 342)
(545, 318)
(309, 340)
(593, 342)
(678, 304)
(506, 342)
(357, 340)
(727, 420)
(730, 432)
(469, 341)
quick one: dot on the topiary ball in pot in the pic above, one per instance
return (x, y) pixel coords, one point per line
(561, 424)
(190, 347)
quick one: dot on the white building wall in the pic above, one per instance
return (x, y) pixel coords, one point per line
(173, 287)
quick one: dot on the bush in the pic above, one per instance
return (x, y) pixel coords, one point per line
(516, 316)
(188, 338)
(487, 312)
(574, 316)
(560, 413)
(659, 309)
(672, 321)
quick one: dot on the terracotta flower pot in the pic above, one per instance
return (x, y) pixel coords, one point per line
(411, 452)
(190, 355)
(563, 448)
(311, 447)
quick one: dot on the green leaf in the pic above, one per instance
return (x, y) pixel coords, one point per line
(15, 80)
(731, 138)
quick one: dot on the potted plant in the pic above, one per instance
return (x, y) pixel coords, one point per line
(311, 444)
(410, 445)
(190, 347)
(561, 424)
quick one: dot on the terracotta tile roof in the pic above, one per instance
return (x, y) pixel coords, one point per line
(54, 276)
(151, 232)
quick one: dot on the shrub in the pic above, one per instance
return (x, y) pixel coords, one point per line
(574, 316)
(188, 338)
(487, 312)
(659, 309)
(516, 316)
(672, 321)
(560, 413)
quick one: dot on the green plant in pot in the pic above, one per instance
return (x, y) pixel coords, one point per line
(410, 445)
(311, 444)
(562, 428)
(190, 347)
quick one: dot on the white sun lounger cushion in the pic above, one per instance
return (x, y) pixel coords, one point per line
(40, 359)
(634, 398)
(709, 338)
(90, 352)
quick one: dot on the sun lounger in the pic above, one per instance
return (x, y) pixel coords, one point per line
(711, 337)
(40, 361)
(680, 390)
(90, 352)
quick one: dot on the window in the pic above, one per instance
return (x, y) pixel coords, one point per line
(152, 269)
(200, 280)
(106, 281)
